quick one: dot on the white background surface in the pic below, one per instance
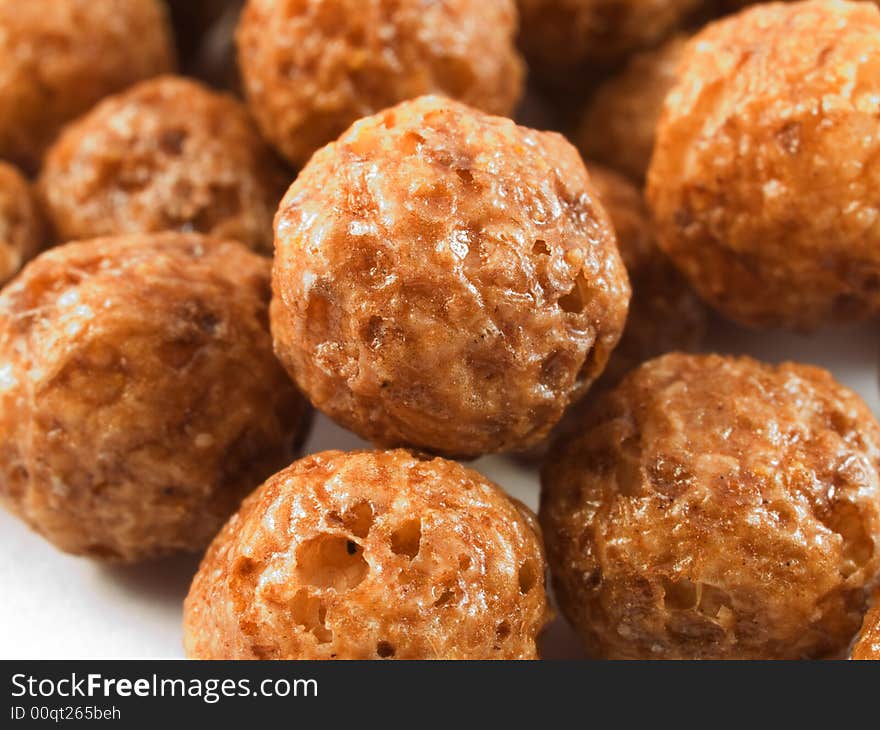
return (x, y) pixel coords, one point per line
(56, 606)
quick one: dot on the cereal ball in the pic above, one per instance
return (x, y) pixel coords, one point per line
(58, 58)
(168, 154)
(716, 507)
(664, 313)
(619, 123)
(22, 232)
(766, 164)
(558, 36)
(311, 69)
(139, 398)
(371, 554)
(446, 280)
(867, 644)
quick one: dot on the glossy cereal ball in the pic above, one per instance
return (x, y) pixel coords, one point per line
(57, 58)
(310, 69)
(22, 231)
(559, 36)
(867, 645)
(167, 154)
(139, 398)
(716, 507)
(371, 554)
(620, 122)
(664, 312)
(445, 279)
(767, 161)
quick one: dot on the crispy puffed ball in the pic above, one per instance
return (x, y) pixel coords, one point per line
(371, 555)
(664, 313)
(139, 397)
(867, 644)
(168, 154)
(445, 279)
(310, 69)
(718, 508)
(767, 161)
(560, 36)
(620, 121)
(57, 58)
(22, 230)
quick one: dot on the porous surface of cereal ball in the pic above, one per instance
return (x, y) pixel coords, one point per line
(58, 58)
(715, 507)
(167, 154)
(139, 397)
(558, 36)
(867, 644)
(445, 279)
(22, 230)
(311, 69)
(620, 121)
(368, 555)
(766, 162)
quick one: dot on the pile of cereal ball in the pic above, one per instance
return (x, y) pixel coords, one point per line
(216, 217)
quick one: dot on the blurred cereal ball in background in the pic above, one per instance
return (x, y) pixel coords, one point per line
(445, 279)
(559, 36)
(715, 507)
(22, 230)
(620, 121)
(167, 154)
(311, 69)
(767, 162)
(371, 555)
(58, 58)
(139, 396)
(867, 643)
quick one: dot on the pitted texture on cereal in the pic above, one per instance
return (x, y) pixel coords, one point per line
(558, 36)
(716, 507)
(445, 279)
(620, 122)
(312, 67)
(139, 396)
(22, 231)
(867, 645)
(370, 555)
(168, 154)
(58, 58)
(764, 177)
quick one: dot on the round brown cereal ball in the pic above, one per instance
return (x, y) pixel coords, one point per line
(58, 58)
(22, 231)
(139, 397)
(371, 554)
(716, 507)
(558, 36)
(619, 124)
(311, 69)
(766, 164)
(167, 154)
(446, 280)
(867, 645)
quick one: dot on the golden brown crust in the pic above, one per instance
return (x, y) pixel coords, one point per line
(867, 645)
(561, 35)
(22, 230)
(715, 507)
(167, 154)
(370, 555)
(311, 69)
(766, 162)
(139, 397)
(446, 280)
(58, 58)
(619, 123)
